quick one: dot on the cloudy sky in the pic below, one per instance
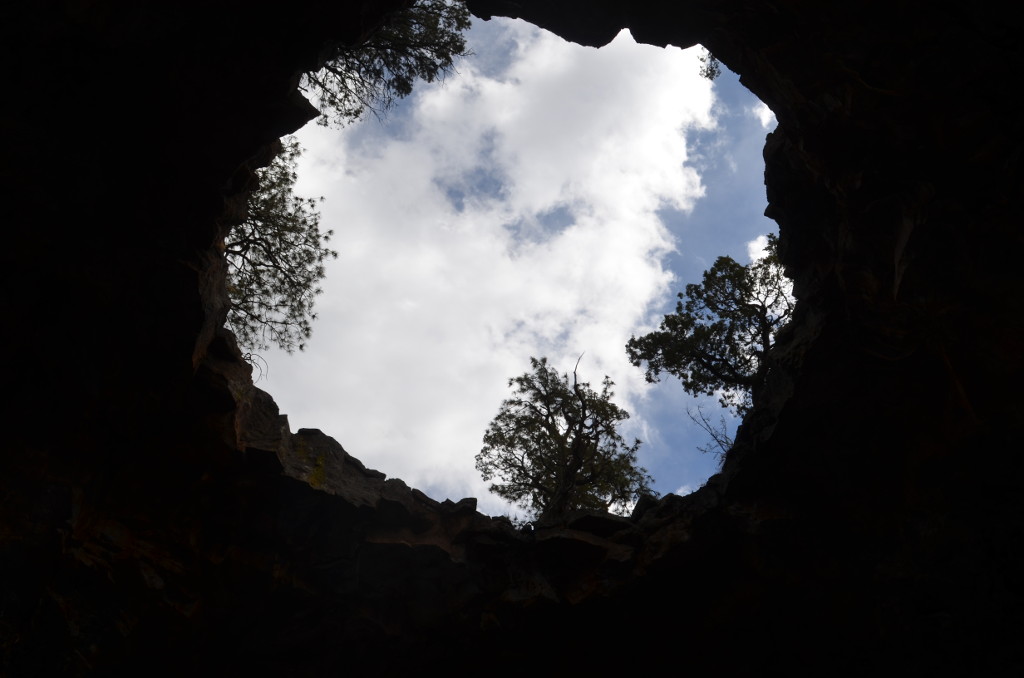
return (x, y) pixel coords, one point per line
(549, 200)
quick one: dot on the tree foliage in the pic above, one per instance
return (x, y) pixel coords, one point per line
(276, 260)
(719, 338)
(276, 256)
(554, 447)
(710, 66)
(421, 42)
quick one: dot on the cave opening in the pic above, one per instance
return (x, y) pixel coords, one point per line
(870, 525)
(547, 200)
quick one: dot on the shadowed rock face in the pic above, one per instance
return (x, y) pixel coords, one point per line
(158, 515)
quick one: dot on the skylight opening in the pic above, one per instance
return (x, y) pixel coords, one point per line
(549, 200)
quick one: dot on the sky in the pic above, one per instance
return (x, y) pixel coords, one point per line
(547, 200)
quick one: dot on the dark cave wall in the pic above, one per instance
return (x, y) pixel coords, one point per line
(133, 523)
(870, 515)
(135, 125)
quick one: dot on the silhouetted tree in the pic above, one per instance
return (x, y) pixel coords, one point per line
(555, 448)
(710, 66)
(276, 260)
(276, 256)
(418, 43)
(719, 338)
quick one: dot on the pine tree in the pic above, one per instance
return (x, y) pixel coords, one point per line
(554, 447)
(720, 337)
(421, 42)
(276, 260)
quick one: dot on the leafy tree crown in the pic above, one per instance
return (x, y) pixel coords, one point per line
(421, 42)
(276, 256)
(720, 337)
(554, 447)
(276, 260)
(710, 66)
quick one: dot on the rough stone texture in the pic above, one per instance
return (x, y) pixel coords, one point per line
(158, 516)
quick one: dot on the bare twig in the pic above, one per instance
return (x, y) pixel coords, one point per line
(721, 441)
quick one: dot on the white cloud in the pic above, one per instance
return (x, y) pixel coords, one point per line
(516, 215)
(758, 248)
(764, 115)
